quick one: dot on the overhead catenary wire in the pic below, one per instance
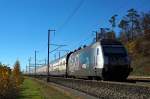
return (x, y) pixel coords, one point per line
(78, 44)
(71, 15)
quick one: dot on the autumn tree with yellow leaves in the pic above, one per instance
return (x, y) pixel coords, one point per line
(17, 73)
(10, 81)
(8, 89)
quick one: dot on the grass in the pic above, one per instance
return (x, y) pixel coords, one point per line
(32, 89)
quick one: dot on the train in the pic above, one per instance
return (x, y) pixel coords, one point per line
(104, 59)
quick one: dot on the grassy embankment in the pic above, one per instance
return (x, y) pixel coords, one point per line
(32, 89)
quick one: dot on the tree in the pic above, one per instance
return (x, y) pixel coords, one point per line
(112, 21)
(17, 73)
(145, 24)
(132, 17)
(124, 35)
(8, 87)
(123, 25)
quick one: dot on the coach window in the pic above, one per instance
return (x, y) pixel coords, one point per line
(97, 51)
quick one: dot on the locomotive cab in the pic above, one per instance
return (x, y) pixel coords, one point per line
(116, 60)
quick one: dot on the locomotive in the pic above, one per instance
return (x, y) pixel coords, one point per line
(104, 59)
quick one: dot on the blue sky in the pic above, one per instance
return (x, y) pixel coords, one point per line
(24, 24)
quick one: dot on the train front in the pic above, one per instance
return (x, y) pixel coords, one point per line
(116, 61)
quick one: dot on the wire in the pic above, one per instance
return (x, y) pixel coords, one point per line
(71, 15)
(84, 40)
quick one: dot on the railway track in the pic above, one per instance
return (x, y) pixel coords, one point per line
(130, 89)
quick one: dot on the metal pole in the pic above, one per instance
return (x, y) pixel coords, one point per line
(35, 63)
(48, 56)
(48, 59)
(59, 54)
(45, 61)
(29, 64)
(26, 69)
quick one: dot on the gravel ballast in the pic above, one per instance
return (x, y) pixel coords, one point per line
(106, 89)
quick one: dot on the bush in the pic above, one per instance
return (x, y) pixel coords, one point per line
(8, 89)
(10, 81)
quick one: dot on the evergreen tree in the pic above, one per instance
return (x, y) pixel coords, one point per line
(132, 18)
(124, 32)
(113, 21)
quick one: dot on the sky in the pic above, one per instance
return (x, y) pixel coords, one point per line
(24, 25)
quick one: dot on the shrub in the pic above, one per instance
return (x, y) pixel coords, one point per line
(10, 81)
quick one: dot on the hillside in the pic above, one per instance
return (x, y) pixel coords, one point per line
(139, 50)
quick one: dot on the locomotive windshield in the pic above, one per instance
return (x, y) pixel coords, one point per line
(111, 50)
